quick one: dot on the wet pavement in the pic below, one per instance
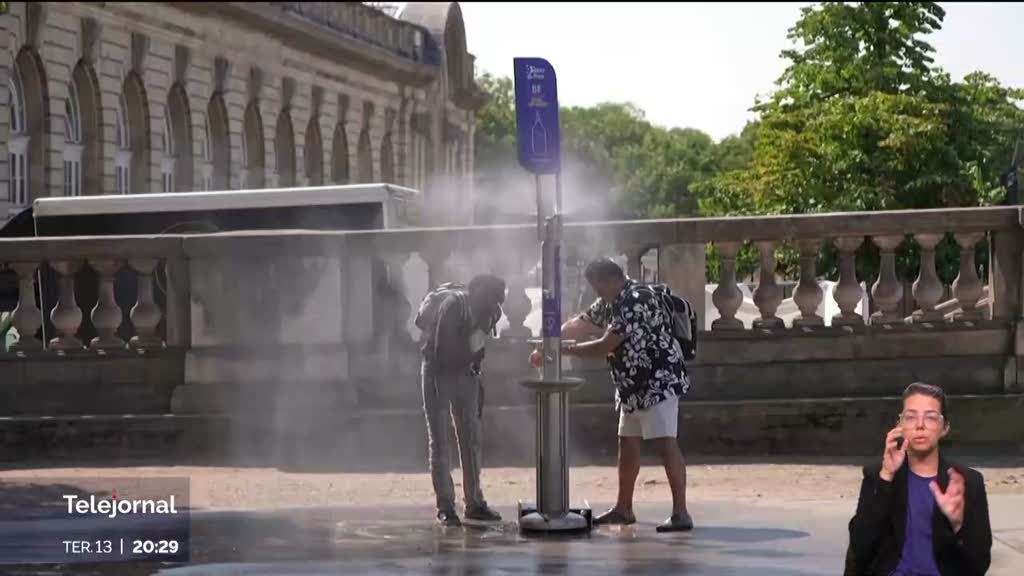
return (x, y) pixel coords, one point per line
(391, 541)
(738, 538)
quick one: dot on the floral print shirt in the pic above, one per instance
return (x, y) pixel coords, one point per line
(648, 367)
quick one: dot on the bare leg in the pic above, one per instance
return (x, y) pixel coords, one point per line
(675, 469)
(629, 469)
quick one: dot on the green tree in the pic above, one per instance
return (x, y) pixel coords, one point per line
(615, 163)
(863, 120)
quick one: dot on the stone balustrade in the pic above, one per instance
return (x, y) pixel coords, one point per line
(365, 23)
(417, 258)
(342, 303)
(284, 332)
(848, 234)
(67, 286)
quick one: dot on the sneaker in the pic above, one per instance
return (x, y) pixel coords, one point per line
(614, 517)
(448, 519)
(676, 523)
(482, 513)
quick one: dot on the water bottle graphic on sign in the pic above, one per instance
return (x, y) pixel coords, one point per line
(539, 137)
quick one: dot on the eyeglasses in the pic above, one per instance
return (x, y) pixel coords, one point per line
(931, 419)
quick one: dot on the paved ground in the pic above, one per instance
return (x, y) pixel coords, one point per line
(786, 531)
(734, 538)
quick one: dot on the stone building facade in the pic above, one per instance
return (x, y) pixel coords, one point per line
(140, 97)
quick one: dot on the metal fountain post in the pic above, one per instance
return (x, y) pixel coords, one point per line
(535, 88)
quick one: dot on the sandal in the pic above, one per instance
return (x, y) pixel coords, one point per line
(676, 523)
(614, 517)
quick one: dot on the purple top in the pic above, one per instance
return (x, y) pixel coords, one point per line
(918, 554)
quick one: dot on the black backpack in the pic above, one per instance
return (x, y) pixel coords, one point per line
(426, 316)
(684, 319)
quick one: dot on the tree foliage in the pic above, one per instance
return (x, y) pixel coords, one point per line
(861, 119)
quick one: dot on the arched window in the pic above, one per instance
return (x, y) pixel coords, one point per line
(252, 148)
(72, 143)
(339, 156)
(364, 158)
(218, 148)
(72, 117)
(123, 156)
(83, 129)
(177, 164)
(284, 144)
(17, 106)
(387, 160)
(314, 153)
(135, 110)
(170, 156)
(27, 145)
(18, 146)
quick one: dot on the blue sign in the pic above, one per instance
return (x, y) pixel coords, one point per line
(540, 137)
(551, 302)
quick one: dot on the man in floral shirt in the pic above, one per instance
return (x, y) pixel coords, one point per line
(633, 329)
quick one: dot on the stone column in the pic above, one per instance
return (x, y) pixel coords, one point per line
(927, 289)
(106, 315)
(808, 294)
(572, 278)
(634, 265)
(887, 290)
(967, 286)
(683, 267)
(848, 292)
(727, 297)
(768, 295)
(145, 315)
(1005, 267)
(28, 318)
(400, 308)
(436, 259)
(66, 315)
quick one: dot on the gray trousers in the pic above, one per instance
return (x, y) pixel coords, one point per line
(457, 397)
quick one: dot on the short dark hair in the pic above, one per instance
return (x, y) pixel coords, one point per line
(488, 286)
(927, 390)
(603, 269)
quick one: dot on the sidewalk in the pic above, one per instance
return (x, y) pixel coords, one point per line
(752, 520)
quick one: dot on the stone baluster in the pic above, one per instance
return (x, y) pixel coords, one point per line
(887, 290)
(808, 294)
(967, 287)
(727, 297)
(572, 277)
(106, 315)
(848, 292)
(28, 318)
(517, 304)
(145, 315)
(66, 315)
(768, 294)
(927, 289)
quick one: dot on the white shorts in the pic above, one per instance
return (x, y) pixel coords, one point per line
(658, 421)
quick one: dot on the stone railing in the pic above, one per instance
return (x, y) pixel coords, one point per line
(339, 305)
(368, 24)
(681, 263)
(96, 294)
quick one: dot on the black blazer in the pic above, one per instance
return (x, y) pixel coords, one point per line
(879, 527)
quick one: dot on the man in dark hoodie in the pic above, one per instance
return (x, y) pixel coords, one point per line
(455, 321)
(920, 514)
